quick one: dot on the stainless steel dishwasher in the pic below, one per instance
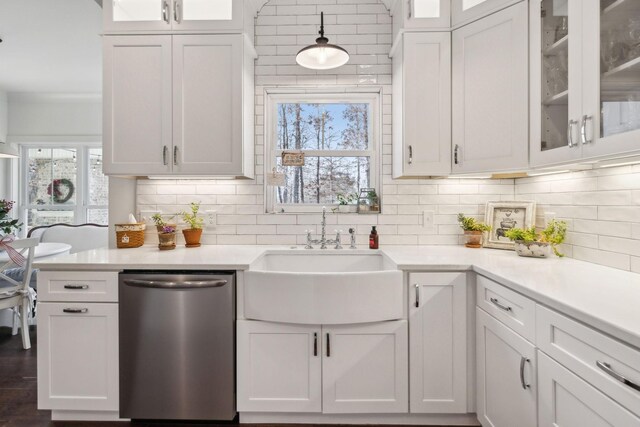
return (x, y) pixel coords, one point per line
(177, 341)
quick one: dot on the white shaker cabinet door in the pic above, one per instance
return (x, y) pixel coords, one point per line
(137, 117)
(207, 105)
(438, 337)
(506, 369)
(365, 368)
(279, 367)
(490, 93)
(565, 400)
(78, 356)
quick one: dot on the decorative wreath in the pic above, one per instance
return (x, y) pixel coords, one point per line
(61, 190)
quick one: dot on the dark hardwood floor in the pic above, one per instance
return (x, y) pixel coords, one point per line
(18, 391)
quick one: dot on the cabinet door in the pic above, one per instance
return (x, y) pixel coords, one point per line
(610, 121)
(565, 400)
(215, 15)
(279, 367)
(490, 93)
(136, 15)
(556, 81)
(364, 368)
(506, 368)
(207, 98)
(78, 356)
(422, 105)
(465, 11)
(438, 337)
(137, 105)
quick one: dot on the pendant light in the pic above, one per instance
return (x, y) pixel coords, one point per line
(322, 55)
(8, 150)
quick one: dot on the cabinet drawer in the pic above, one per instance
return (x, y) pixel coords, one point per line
(85, 286)
(602, 361)
(514, 310)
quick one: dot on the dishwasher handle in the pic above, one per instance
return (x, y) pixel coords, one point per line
(169, 284)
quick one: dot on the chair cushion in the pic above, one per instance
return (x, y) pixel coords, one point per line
(17, 274)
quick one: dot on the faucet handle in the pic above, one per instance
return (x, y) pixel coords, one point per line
(308, 246)
(338, 233)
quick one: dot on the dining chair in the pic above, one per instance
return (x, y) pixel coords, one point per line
(17, 294)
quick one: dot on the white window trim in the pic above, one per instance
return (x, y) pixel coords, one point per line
(273, 97)
(82, 148)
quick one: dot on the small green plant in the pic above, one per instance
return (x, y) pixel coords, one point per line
(346, 198)
(157, 220)
(195, 222)
(554, 234)
(8, 225)
(471, 224)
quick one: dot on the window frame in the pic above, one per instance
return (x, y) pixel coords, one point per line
(82, 206)
(273, 97)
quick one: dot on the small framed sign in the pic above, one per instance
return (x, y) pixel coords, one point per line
(503, 216)
(292, 158)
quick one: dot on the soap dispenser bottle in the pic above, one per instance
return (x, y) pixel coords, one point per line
(373, 238)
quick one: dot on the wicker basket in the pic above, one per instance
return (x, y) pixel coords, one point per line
(130, 235)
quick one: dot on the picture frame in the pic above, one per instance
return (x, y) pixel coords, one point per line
(502, 216)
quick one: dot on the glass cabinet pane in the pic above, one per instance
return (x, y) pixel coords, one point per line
(137, 10)
(555, 76)
(207, 10)
(426, 8)
(468, 4)
(619, 66)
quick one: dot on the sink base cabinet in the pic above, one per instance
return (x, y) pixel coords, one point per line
(506, 365)
(338, 369)
(78, 356)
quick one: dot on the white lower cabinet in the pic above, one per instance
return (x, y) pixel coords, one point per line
(506, 365)
(438, 350)
(78, 356)
(329, 369)
(565, 400)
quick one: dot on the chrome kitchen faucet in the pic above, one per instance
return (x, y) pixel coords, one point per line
(323, 236)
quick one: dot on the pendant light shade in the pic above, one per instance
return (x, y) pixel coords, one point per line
(322, 55)
(8, 150)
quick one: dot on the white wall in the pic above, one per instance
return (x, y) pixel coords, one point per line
(363, 27)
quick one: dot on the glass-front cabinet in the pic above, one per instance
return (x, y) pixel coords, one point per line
(172, 15)
(585, 80)
(421, 15)
(465, 11)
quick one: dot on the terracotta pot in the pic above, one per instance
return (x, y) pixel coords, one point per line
(192, 237)
(473, 239)
(166, 241)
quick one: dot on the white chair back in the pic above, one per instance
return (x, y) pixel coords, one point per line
(26, 247)
(81, 237)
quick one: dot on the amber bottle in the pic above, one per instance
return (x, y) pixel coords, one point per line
(373, 238)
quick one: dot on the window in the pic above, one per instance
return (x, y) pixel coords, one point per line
(339, 138)
(63, 185)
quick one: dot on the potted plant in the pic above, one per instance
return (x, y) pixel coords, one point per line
(473, 230)
(192, 234)
(167, 238)
(530, 243)
(8, 225)
(346, 202)
(160, 222)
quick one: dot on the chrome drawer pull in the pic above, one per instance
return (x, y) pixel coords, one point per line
(525, 386)
(75, 310)
(609, 371)
(500, 306)
(76, 287)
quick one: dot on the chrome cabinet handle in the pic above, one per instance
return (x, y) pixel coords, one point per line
(165, 150)
(609, 371)
(409, 15)
(496, 302)
(165, 12)
(570, 133)
(176, 11)
(315, 343)
(523, 360)
(417, 295)
(583, 129)
(75, 310)
(456, 150)
(175, 156)
(76, 287)
(328, 345)
(410, 155)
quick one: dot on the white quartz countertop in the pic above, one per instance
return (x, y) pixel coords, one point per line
(603, 297)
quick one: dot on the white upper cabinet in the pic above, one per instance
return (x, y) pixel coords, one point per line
(585, 80)
(173, 15)
(421, 15)
(422, 105)
(465, 11)
(490, 93)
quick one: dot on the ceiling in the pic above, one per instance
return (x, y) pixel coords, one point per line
(50, 46)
